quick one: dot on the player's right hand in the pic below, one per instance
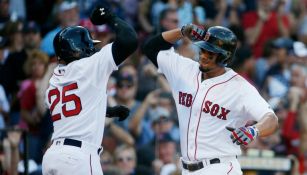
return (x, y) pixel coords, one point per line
(243, 135)
(122, 112)
(101, 15)
(193, 32)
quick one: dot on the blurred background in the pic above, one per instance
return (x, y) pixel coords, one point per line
(271, 55)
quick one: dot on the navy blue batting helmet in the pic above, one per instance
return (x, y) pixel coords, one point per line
(219, 40)
(74, 43)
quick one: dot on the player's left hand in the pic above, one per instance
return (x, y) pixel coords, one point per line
(193, 32)
(243, 135)
(122, 112)
(101, 15)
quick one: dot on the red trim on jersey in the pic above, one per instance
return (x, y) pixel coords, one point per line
(231, 167)
(91, 163)
(190, 116)
(201, 110)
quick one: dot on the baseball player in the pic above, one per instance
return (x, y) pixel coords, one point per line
(213, 102)
(77, 95)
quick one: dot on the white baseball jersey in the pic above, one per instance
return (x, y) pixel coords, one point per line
(77, 97)
(206, 107)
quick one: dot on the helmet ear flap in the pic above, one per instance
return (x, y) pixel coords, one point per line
(224, 59)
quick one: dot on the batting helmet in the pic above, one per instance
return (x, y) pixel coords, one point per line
(74, 43)
(219, 40)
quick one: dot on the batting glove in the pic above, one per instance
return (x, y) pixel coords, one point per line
(193, 32)
(122, 112)
(101, 15)
(243, 135)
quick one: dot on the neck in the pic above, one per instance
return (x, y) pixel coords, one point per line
(213, 73)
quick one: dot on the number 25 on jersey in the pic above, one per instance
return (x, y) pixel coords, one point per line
(63, 98)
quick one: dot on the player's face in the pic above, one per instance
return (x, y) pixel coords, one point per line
(207, 60)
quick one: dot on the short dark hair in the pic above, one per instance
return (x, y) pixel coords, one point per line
(166, 11)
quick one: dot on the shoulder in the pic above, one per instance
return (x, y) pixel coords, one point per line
(245, 86)
(172, 54)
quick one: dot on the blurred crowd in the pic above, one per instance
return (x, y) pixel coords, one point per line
(271, 55)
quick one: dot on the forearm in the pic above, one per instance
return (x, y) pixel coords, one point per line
(121, 135)
(234, 17)
(302, 117)
(219, 18)
(144, 23)
(172, 36)
(267, 125)
(125, 41)
(14, 160)
(7, 154)
(135, 122)
(40, 105)
(284, 31)
(253, 33)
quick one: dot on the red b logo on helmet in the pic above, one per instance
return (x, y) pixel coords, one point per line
(207, 36)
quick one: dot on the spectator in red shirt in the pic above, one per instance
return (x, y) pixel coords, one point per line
(36, 68)
(265, 23)
(31, 116)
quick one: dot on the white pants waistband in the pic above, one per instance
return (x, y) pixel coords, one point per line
(85, 146)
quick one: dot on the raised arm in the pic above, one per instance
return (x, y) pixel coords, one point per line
(166, 40)
(126, 38)
(153, 46)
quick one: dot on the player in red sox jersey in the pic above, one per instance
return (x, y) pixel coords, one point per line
(213, 102)
(77, 95)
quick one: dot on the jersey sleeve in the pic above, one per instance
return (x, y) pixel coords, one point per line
(100, 65)
(171, 64)
(106, 59)
(255, 107)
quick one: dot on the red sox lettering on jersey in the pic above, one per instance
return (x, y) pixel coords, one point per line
(215, 110)
(206, 107)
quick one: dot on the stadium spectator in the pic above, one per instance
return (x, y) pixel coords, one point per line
(68, 15)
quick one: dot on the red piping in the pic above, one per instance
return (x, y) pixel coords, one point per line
(201, 111)
(190, 117)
